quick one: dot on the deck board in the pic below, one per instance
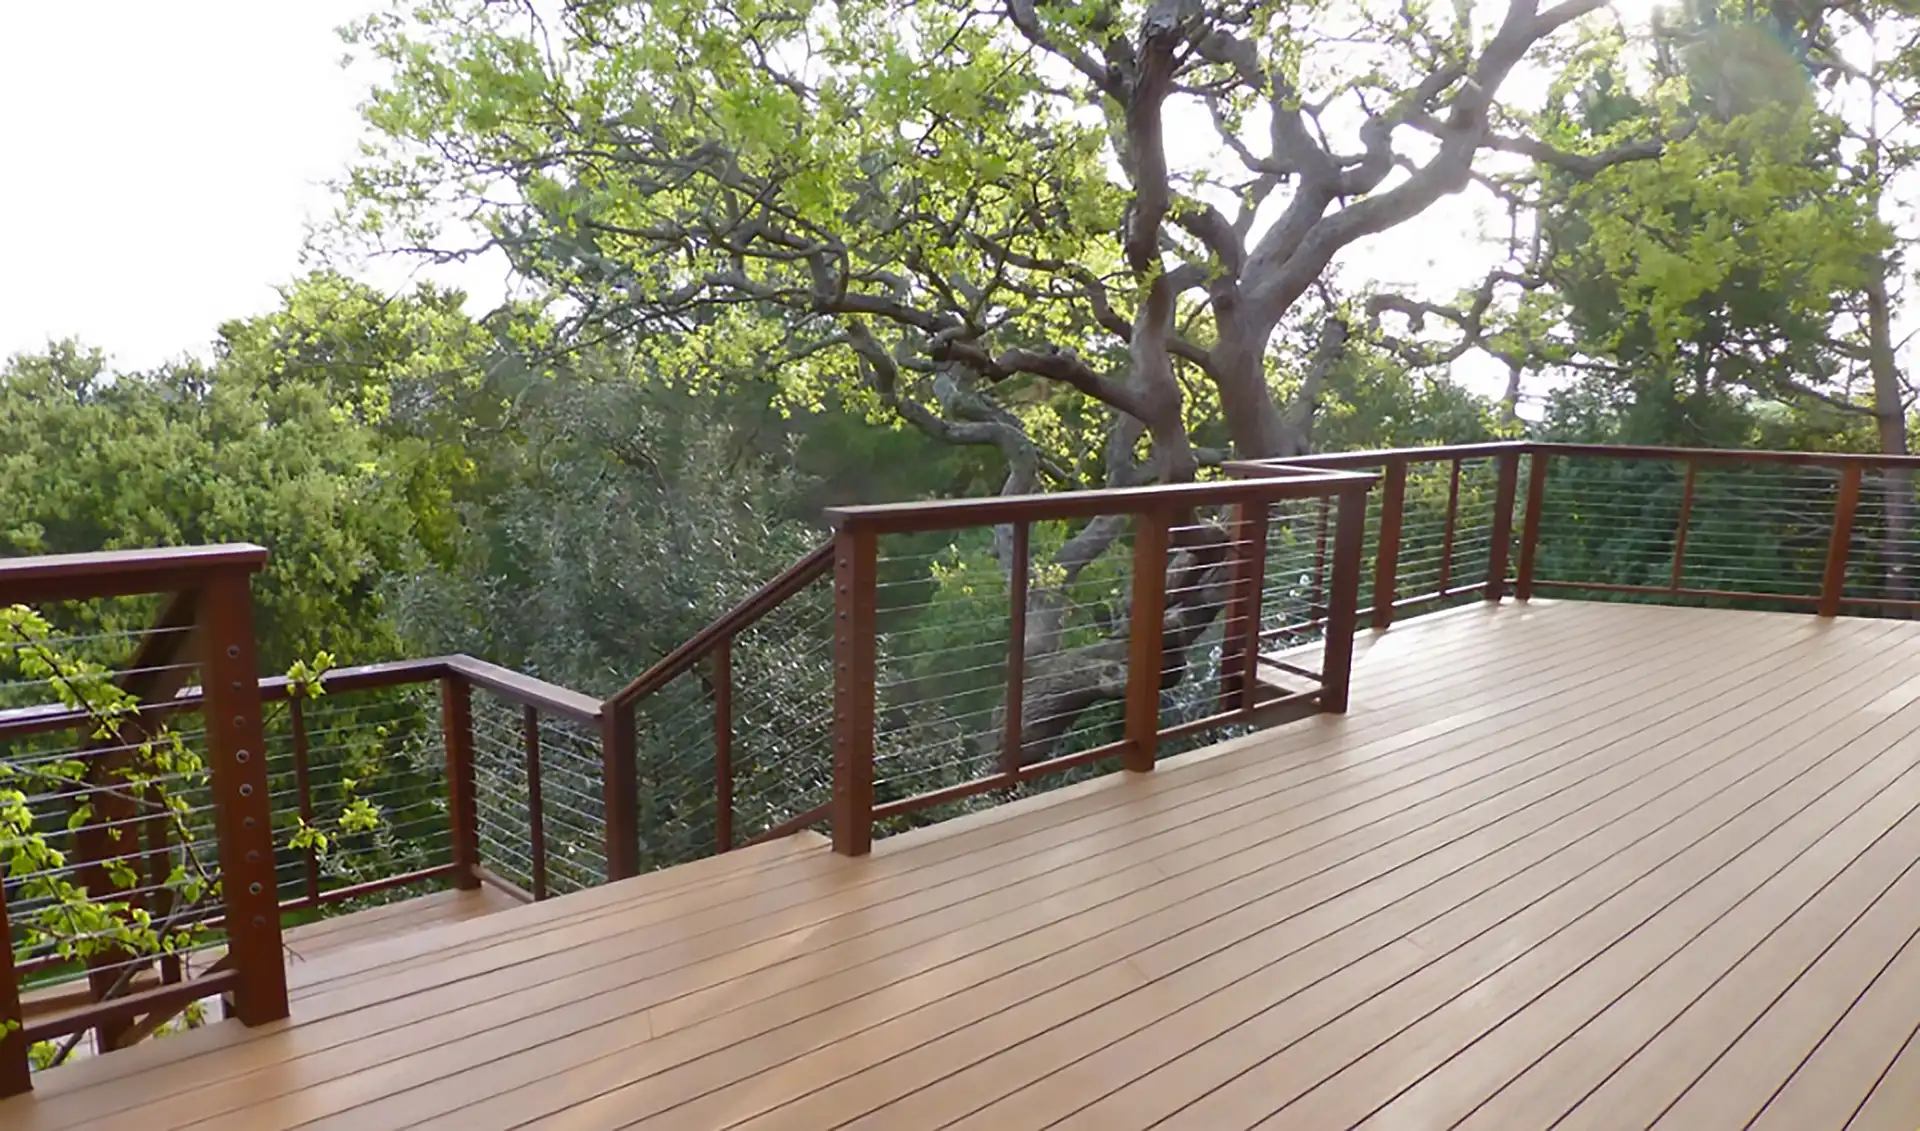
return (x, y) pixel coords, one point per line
(1564, 864)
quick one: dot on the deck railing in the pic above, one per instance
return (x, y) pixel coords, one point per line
(1826, 532)
(928, 655)
(1041, 664)
(163, 765)
(166, 840)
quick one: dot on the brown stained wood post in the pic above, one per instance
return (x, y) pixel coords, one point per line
(303, 787)
(1835, 580)
(1530, 525)
(536, 809)
(1240, 648)
(723, 743)
(855, 662)
(1017, 584)
(243, 814)
(1680, 533)
(1146, 639)
(1343, 595)
(620, 785)
(16, 1074)
(1386, 561)
(1506, 486)
(463, 807)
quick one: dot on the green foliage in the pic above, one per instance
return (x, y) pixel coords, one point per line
(1717, 266)
(54, 914)
(192, 454)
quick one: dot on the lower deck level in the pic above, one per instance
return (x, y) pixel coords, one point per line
(1564, 865)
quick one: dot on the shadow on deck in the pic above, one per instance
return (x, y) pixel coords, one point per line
(1565, 864)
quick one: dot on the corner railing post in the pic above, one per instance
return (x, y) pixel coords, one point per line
(16, 1075)
(855, 660)
(1835, 579)
(1530, 524)
(1240, 649)
(463, 805)
(1506, 486)
(243, 815)
(1386, 562)
(1343, 597)
(620, 781)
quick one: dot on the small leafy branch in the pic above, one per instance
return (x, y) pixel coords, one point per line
(138, 763)
(134, 760)
(358, 815)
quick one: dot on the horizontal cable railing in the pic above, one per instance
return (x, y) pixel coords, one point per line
(125, 751)
(728, 737)
(982, 644)
(138, 843)
(1437, 530)
(1825, 532)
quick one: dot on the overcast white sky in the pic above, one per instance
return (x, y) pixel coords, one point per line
(161, 161)
(158, 163)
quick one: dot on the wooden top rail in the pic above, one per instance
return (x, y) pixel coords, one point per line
(1380, 456)
(948, 514)
(1729, 455)
(524, 690)
(119, 573)
(1376, 457)
(817, 564)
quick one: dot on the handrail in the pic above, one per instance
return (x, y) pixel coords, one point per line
(948, 514)
(1726, 455)
(1372, 457)
(1377, 456)
(815, 565)
(119, 573)
(526, 690)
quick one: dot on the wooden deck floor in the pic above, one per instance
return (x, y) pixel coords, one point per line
(1565, 865)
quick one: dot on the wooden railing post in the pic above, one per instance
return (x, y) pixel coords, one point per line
(1012, 739)
(236, 752)
(855, 657)
(1680, 528)
(1386, 561)
(1240, 646)
(620, 783)
(1343, 598)
(16, 1074)
(1530, 525)
(1835, 579)
(536, 804)
(463, 807)
(1506, 486)
(1146, 639)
